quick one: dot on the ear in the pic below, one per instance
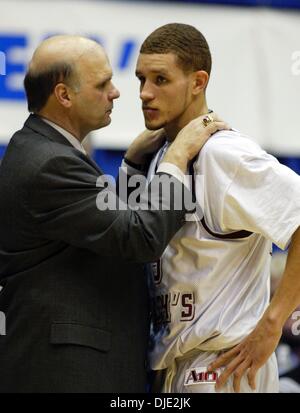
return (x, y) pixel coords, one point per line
(200, 81)
(62, 94)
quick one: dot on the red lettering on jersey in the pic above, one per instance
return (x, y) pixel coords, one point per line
(195, 376)
(188, 307)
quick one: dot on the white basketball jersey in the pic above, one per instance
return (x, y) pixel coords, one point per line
(211, 285)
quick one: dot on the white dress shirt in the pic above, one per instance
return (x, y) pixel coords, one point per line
(73, 141)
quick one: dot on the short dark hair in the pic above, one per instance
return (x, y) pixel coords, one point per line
(39, 86)
(185, 41)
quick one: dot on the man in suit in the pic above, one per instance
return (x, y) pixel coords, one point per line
(73, 289)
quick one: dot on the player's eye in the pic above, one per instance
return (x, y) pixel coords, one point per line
(141, 79)
(160, 80)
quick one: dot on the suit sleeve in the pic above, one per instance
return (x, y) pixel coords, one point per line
(67, 203)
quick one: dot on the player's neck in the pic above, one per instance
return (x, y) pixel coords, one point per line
(192, 112)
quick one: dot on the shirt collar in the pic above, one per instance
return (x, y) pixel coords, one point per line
(73, 141)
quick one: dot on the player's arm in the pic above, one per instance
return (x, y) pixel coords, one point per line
(146, 143)
(137, 158)
(272, 210)
(255, 349)
(66, 202)
(185, 147)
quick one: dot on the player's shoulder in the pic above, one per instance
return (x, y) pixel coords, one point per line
(231, 144)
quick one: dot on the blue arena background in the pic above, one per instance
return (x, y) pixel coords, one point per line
(254, 3)
(111, 159)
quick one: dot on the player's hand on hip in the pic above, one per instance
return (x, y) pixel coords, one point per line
(146, 143)
(247, 357)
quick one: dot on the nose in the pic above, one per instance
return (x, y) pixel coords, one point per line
(146, 92)
(114, 93)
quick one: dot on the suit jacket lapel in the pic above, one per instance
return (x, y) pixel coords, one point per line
(35, 123)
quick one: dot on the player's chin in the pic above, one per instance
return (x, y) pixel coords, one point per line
(153, 125)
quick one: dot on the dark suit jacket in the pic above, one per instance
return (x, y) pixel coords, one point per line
(74, 291)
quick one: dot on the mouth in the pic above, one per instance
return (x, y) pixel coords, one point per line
(150, 112)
